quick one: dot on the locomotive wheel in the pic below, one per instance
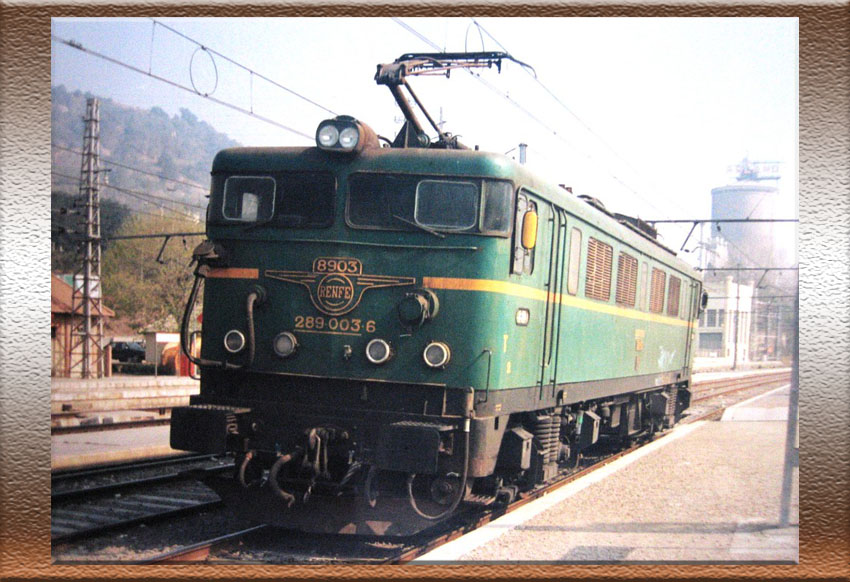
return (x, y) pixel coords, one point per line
(444, 489)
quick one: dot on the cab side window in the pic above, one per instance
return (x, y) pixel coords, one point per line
(523, 259)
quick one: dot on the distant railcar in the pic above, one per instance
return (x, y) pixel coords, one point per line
(420, 324)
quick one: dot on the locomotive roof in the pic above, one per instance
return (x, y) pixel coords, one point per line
(469, 163)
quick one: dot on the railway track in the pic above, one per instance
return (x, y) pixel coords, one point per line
(348, 549)
(86, 503)
(711, 388)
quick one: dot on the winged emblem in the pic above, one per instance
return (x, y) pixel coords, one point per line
(337, 284)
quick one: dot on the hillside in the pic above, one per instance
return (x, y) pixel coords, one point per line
(180, 147)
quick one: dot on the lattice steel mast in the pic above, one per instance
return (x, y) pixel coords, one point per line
(87, 342)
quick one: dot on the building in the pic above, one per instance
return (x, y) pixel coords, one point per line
(62, 323)
(724, 326)
(745, 249)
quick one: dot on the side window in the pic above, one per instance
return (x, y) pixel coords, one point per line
(597, 282)
(496, 207)
(656, 291)
(248, 198)
(575, 261)
(523, 261)
(626, 279)
(673, 294)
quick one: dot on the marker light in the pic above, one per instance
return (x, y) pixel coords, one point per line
(437, 355)
(285, 344)
(234, 341)
(522, 316)
(378, 351)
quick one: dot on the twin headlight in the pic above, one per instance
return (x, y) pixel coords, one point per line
(345, 134)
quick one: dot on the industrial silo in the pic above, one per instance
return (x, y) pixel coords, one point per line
(752, 197)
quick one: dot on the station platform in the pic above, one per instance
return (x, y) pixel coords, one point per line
(89, 449)
(709, 492)
(89, 402)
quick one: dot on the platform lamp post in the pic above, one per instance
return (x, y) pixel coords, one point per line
(737, 318)
(792, 445)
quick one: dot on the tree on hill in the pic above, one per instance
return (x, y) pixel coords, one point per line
(143, 150)
(147, 293)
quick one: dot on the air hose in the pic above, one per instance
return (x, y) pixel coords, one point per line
(288, 497)
(256, 295)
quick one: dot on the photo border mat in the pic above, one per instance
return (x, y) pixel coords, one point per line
(824, 256)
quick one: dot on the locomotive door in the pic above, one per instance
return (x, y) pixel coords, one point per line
(541, 262)
(692, 311)
(554, 289)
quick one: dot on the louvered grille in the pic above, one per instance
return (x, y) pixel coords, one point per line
(656, 294)
(600, 259)
(626, 279)
(673, 296)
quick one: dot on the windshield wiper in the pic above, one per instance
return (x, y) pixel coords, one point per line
(256, 224)
(419, 226)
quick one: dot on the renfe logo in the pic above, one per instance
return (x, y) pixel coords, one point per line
(337, 284)
(335, 292)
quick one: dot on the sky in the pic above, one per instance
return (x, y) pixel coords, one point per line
(645, 114)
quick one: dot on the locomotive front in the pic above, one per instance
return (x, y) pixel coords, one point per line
(332, 363)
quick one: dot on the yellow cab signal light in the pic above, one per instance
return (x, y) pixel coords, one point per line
(529, 230)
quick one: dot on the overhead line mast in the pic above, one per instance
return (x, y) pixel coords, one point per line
(86, 298)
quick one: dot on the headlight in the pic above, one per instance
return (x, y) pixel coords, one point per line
(348, 138)
(345, 134)
(285, 344)
(437, 355)
(327, 136)
(378, 351)
(234, 341)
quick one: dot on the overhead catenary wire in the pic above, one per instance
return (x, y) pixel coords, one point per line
(113, 60)
(243, 67)
(145, 194)
(534, 118)
(417, 34)
(564, 106)
(145, 197)
(139, 170)
(134, 211)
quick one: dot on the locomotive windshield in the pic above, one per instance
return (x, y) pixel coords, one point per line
(291, 199)
(401, 202)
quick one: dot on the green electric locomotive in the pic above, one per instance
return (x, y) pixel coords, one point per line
(389, 331)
